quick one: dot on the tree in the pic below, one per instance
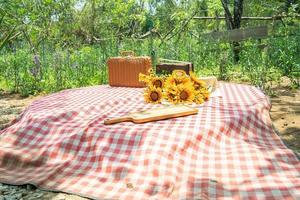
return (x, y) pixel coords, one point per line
(234, 21)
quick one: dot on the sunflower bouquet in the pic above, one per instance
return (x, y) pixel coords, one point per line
(175, 88)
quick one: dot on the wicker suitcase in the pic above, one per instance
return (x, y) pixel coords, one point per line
(124, 71)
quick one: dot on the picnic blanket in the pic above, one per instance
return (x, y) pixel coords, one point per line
(227, 151)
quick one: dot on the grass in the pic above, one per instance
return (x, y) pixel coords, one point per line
(52, 69)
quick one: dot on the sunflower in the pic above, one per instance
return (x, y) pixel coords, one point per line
(179, 73)
(205, 93)
(170, 93)
(170, 81)
(144, 78)
(177, 77)
(199, 98)
(151, 72)
(197, 82)
(157, 82)
(175, 88)
(186, 92)
(153, 95)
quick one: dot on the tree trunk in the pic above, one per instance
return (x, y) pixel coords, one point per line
(228, 16)
(234, 23)
(93, 17)
(238, 11)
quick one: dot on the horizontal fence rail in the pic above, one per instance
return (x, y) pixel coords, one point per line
(246, 18)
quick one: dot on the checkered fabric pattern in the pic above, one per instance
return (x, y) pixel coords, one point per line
(228, 151)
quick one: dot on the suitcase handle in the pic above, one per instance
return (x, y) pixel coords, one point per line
(127, 53)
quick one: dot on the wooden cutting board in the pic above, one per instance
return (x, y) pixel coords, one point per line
(154, 114)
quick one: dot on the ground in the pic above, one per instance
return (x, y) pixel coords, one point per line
(285, 114)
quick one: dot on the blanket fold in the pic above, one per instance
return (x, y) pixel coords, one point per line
(227, 151)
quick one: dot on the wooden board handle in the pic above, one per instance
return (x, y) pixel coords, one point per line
(117, 120)
(127, 53)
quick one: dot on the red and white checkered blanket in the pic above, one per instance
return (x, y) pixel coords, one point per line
(227, 151)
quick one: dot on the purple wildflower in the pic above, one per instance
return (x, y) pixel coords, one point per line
(36, 60)
(34, 71)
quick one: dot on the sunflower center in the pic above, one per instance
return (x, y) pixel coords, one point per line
(184, 95)
(154, 96)
(177, 81)
(157, 83)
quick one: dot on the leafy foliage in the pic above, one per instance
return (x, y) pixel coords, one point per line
(55, 44)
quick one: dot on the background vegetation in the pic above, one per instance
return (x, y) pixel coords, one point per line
(49, 45)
